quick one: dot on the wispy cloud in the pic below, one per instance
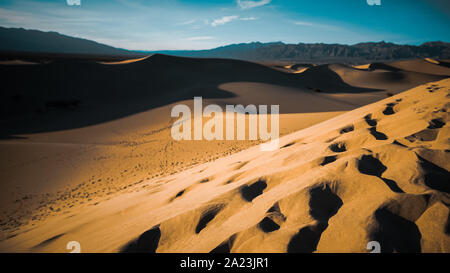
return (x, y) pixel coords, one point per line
(13, 17)
(317, 25)
(224, 20)
(189, 22)
(302, 23)
(248, 18)
(200, 38)
(46, 21)
(227, 19)
(247, 4)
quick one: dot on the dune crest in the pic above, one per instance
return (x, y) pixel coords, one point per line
(129, 61)
(377, 173)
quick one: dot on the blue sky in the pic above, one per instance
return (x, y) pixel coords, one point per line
(204, 24)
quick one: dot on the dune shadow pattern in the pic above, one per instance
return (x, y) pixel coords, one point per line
(67, 93)
(395, 233)
(328, 159)
(324, 204)
(207, 217)
(254, 190)
(338, 147)
(378, 135)
(146, 243)
(47, 241)
(323, 78)
(435, 177)
(370, 165)
(268, 225)
(225, 247)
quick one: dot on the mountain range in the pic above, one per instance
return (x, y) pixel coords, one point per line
(20, 40)
(278, 51)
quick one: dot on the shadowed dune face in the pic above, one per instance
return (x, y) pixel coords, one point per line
(395, 233)
(311, 195)
(324, 204)
(146, 243)
(435, 177)
(252, 191)
(91, 165)
(47, 242)
(385, 77)
(207, 217)
(67, 94)
(324, 78)
(427, 66)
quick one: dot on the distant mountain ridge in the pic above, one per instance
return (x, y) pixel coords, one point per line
(35, 41)
(278, 51)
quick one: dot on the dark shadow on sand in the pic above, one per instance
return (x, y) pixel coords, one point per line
(146, 243)
(69, 93)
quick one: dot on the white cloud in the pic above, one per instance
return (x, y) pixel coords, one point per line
(317, 25)
(248, 18)
(247, 4)
(14, 17)
(302, 23)
(187, 22)
(200, 38)
(224, 20)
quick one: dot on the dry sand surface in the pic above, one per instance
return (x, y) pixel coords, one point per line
(118, 172)
(422, 66)
(90, 164)
(379, 172)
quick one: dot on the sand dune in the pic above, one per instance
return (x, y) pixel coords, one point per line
(291, 68)
(94, 93)
(433, 61)
(377, 173)
(92, 90)
(129, 61)
(362, 66)
(422, 66)
(340, 78)
(105, 145)
(390, 81)
(109, 142)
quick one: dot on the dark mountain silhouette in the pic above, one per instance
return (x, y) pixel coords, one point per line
(19, 40)
(362, 52)
(22, 40)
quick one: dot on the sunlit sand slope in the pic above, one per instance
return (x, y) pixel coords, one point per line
(377, 173)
